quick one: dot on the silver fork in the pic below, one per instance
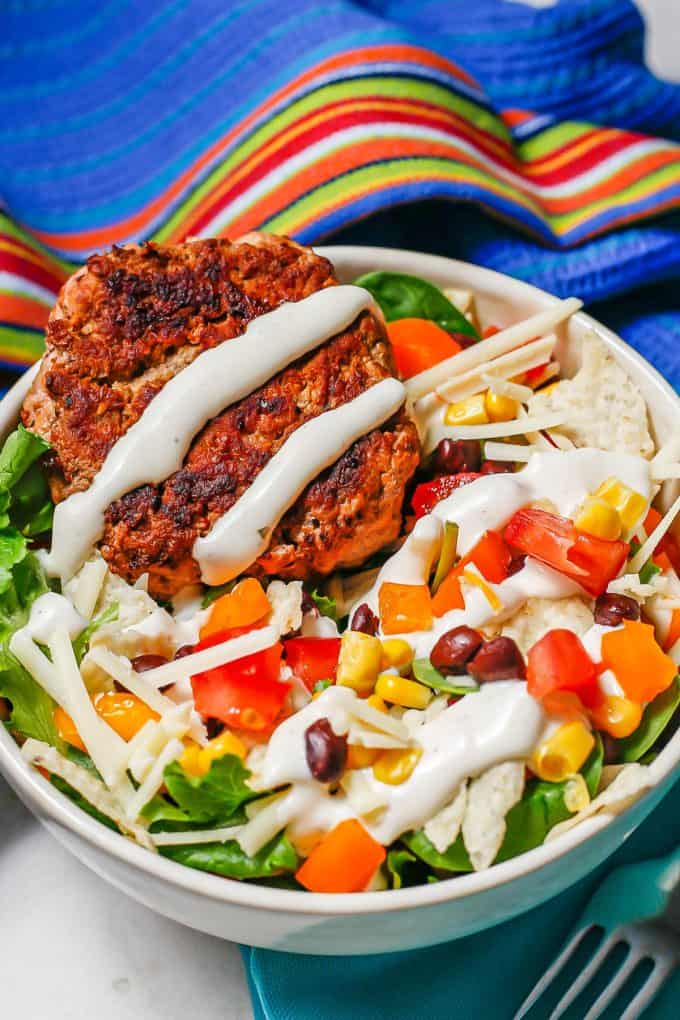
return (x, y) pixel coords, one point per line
(633, 908)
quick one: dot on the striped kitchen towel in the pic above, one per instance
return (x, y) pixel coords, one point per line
(122, 121)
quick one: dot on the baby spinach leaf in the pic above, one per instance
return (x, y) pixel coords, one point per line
(648, 572)
(229, 860)
(425, 673)
(455, 859)
(404, 297)
(542, 807)
(212, 799)
(655, 718)
(405, 869)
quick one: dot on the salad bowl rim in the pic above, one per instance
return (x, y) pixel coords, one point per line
(54, 808)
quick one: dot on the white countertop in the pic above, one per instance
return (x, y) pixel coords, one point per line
(74, 948)
(77, 949)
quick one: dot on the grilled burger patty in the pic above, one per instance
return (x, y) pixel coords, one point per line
(133, 318)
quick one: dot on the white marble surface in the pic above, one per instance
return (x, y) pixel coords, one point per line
(77, 949)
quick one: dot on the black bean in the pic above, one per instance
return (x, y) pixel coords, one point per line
(141, 663)
(454, 649)
(365, 620)
(326, 752)
(497, 467)
(453, 456)
(498, 659)
(610, 610)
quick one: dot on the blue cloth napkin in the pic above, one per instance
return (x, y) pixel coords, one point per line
(482, 977)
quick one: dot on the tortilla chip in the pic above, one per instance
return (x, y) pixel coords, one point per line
(621, 790)
(489, 799)
(442, 830)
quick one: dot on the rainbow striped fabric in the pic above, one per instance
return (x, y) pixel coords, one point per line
(122, 121)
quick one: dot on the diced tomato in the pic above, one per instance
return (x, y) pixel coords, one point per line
(490, 331)
(533, 374)
(428, 494)
(591, 562)
(559, 662)
(313, 658)
(246, 694)
(668, 549)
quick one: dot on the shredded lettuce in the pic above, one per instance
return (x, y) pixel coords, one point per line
(326, 605)
(82, 642)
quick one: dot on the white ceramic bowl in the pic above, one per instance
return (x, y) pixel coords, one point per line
(378, 921)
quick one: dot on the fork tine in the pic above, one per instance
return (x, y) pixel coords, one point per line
(614, 986)
(553, 970)
(584, 977)
(661, 972)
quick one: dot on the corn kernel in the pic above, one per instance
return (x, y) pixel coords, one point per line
(619, 717)
(500, 408)
(599, 518)
(630, 504)
(576, 794)
(361, 757)
(376, 703)
(359, 662)
(399, 691)
(396, 766)
(562, 754)
(197, 760)
(471, 411)
(397, 654)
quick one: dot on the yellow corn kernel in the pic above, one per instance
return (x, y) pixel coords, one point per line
(397, 654)
(376, 703)
(576, 794)
(196, 761)
(500, 408)
(489, 594)
(471, 411)
(562, 754)
(619, 717)
(396, 766)
(399, 691)
(359, 662)
(598, 518)
(361, 757)
(629, 504)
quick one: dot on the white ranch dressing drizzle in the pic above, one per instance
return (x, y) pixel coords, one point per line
(500, 723)
(155, 446)
(49, 612)
(243, 533)
(565, 478)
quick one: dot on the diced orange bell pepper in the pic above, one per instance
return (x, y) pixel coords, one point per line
(419, 344)
(404, 607)
(640, 665)
(125, 713)
(448, 595)
(242, 607)
(673, 634)
(344, 861)
(492, 557)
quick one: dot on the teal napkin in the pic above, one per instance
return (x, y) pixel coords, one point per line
(483, 977)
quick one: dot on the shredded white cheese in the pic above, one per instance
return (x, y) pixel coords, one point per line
(505, 388)
(647, 548)
(506, 367)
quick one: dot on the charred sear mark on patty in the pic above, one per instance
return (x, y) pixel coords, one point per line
(132, 319)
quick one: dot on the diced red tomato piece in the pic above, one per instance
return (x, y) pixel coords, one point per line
(246, 694)
(492, 557)
(428, 494)
(559, 662)
(591, 562)
(313, 658)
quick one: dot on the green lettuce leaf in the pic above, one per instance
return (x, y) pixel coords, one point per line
(82, 803)
(405, 869)
(227, 859)
(82, 642)
(212, 799)
(24, 495)
(655, 719)
(32, 711)
(326, 605)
